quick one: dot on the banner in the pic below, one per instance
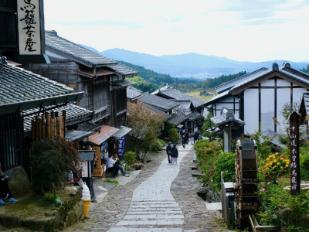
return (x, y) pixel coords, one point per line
(29, 34)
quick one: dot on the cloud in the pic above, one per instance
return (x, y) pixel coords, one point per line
(241, 29)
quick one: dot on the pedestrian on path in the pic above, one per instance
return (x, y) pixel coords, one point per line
(174, 154)
(169, 152)
(196, 136)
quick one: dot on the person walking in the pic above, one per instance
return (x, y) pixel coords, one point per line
(169, 152)
(196, 135)
(174, 154)
(184, 137)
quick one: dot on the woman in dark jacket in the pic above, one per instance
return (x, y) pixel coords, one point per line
(174, 154)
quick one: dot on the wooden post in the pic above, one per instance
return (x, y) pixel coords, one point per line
(64, 114)
(294, 120)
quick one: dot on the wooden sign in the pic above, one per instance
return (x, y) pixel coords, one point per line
(294, 153)
(29, 28)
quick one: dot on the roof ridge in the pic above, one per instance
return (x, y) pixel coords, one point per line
(55, 35)
(240, 77)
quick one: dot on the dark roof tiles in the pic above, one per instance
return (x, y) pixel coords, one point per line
(122, 69)
(19, 86)
(180, 96)
(158, 102)
(77, 52)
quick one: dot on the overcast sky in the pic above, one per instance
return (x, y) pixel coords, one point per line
(251, 30)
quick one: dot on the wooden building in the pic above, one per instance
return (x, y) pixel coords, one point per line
(20, 91)
(101, 79)
(189, 113)
(262, 98)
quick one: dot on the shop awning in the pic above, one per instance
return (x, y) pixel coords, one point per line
(103, 134)
(74, 135)
(123, 130)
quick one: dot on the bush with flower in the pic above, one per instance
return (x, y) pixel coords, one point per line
(274, 166)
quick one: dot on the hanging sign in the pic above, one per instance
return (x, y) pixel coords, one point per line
(294, 153)
(29, 34)
(121, 146)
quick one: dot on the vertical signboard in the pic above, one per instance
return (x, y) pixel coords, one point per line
(29, 34)
(294, 153)
(121, 146)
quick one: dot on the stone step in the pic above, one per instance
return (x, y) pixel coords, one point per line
(196, 173)
(159, 222)
(153, 216)
(143, 229)
(154, 207)
(154, 211)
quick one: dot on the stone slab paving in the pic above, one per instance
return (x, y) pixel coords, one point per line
(184, 189)
(162, 198)
(153, 207)
(113, 206)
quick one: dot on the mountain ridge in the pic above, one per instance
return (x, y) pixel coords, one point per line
(192, 65)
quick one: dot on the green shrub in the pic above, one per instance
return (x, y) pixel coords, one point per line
(207, 154)
(50, 161)
(274, 199)
(304, 162)
(130, 157)
(157, 145)
(173, 135)
(263, 145)
(225, 163)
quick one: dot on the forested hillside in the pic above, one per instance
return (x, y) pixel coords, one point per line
(306, 70)
(148, 81)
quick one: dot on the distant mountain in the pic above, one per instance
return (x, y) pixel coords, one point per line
(191, 64)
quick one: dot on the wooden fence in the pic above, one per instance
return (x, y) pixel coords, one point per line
(48, 126)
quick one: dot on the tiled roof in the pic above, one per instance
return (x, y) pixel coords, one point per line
(74, 115)
(158, 102)
(180, 96)
(21, 90)
(229, 84)
(133, 93)
(122, 69)
(247, 78)
(75, 51)
(227, 118)
(177, 118)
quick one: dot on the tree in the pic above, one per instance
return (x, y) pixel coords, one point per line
(50, 160)
(146, 127)
(306, 70)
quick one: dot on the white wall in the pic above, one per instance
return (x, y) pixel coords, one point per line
(283, 99)
(251, 111)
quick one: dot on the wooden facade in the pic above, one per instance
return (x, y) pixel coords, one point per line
(11, 140)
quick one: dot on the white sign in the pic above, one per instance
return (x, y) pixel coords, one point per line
(29, 27)
(85, 171)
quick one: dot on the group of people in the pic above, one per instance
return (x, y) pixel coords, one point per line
(114, 166)
(172, 153)
(171, 149)
(184, 134)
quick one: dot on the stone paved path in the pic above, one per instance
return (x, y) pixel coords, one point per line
(153, 207)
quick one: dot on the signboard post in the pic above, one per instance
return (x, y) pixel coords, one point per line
(29, 28)
(294, 120)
